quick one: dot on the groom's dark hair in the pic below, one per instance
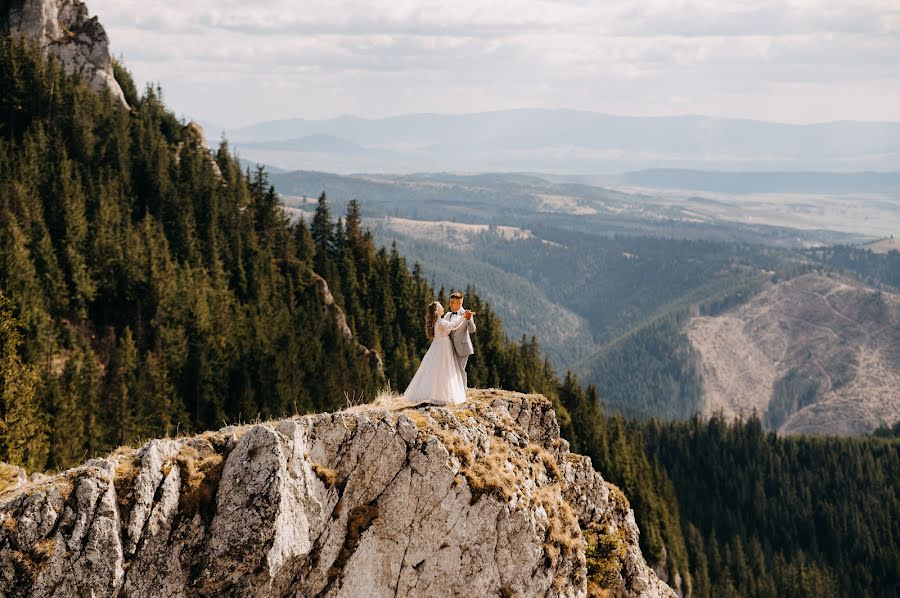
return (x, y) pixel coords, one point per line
(456, 295)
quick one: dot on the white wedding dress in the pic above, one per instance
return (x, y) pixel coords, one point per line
(438, 379)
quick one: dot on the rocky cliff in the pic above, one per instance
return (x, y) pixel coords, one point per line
(481, 499)
(65, 30)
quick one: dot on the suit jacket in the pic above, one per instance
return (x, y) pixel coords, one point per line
(462, 343)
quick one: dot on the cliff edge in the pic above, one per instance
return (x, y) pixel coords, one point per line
(480, 499)
(64, 29)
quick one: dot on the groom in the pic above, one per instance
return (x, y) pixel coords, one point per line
(462, 344)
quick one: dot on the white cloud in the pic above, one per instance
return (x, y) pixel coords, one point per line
(236, 62)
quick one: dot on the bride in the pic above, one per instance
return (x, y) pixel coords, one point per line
(438, 379)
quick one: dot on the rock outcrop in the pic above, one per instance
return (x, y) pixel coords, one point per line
(371, 357)
(65, 30)
(480, 499)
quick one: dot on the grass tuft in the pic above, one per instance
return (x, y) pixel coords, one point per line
(127, 470)
(201, 470)
(9, 477)
(327, 475)
(605, 555)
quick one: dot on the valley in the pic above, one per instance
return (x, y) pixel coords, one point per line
(662, 298)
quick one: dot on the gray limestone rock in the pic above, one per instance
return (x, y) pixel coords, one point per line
(64, 29)
(480, 499)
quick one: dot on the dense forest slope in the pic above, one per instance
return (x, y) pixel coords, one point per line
(735, 511)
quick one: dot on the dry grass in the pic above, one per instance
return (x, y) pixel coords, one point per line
(493, 474)
(327, 475)
(618, 499)
(10, 525)
(65, 485)
(9, 477)
(386, 398)
(127, 470)
(354, 398)
(504, 469)
(605, 554)
(464, 414)
(564, 535)
(43, 549)
(359, 520)
(28, 564)
(546, 458)
(201, 470)
(595, 591)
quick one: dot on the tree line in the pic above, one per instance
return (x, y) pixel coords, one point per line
(733, 510)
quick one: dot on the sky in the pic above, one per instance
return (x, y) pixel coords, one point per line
(231, 63)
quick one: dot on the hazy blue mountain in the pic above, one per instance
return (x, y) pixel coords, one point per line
(252, 164)
(572, 142)
(311, 143)
(760, 182)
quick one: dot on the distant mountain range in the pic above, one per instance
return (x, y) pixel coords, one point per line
(566, 142)
(753, 182)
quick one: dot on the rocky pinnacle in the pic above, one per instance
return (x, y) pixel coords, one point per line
(480, 499)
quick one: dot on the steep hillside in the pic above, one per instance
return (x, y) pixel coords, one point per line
(525, 308)
(483, 499)
(814, 354)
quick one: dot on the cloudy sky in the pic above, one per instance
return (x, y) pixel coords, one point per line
(231, 62)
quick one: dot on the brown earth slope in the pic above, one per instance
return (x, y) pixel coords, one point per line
(812, 355)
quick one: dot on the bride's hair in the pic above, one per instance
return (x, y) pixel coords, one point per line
(430, 319)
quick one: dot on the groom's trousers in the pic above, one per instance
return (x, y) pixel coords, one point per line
(462, 360)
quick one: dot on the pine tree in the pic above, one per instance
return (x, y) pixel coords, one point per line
(23, 426)
(322, 229)
(123, 398)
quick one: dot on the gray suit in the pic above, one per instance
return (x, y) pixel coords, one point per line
(462, 343)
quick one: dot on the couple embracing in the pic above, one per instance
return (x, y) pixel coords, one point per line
(441, 377)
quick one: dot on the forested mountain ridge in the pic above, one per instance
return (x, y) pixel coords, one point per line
(152, 286)
(814, 352)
